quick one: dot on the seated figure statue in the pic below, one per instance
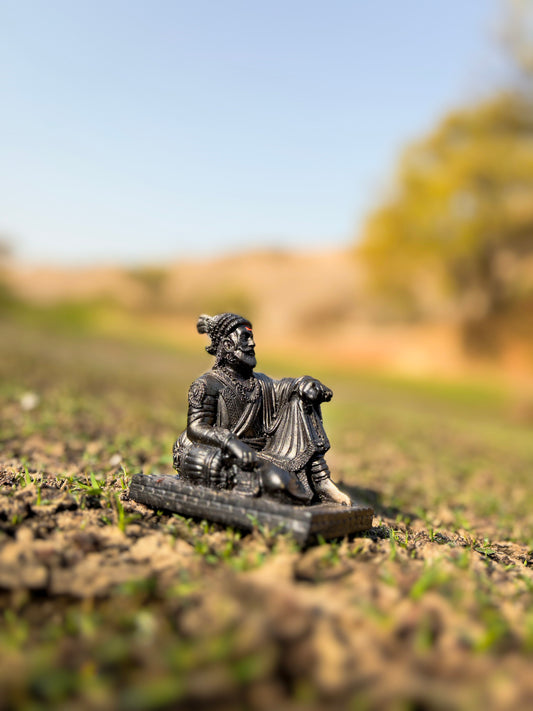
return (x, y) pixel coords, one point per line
(249, 433)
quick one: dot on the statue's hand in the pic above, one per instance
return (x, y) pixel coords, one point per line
(244, 455)
(325, 393)
(314, 390)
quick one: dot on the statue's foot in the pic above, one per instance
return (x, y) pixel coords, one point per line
(327, 492)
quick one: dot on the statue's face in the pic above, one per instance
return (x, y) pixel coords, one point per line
(241, 347)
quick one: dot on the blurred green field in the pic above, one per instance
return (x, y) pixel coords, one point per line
(109, 605)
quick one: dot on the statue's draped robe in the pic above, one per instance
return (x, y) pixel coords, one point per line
(293, 426)
(274, 420)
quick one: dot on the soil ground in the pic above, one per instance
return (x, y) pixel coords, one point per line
(106, 604)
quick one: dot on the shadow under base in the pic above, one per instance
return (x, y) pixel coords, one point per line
(304, 523)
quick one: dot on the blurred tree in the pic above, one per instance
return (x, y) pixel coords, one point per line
(455, 232)
(5, 248)
(6, 297)
(517, 36)
(153, 280)
(455, 236)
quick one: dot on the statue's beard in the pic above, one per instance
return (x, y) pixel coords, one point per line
(242, 360)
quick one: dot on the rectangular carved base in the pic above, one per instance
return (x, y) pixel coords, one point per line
(304, 523)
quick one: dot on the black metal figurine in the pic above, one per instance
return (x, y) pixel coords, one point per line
(254, 447)
(252, 434)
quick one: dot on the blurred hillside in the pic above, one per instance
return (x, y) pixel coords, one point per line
(317, 305)
(281, 290)
(293, 298)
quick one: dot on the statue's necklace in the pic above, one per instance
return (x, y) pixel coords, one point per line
(247, 389)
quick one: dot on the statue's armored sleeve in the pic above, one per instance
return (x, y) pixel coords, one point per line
(202, 414)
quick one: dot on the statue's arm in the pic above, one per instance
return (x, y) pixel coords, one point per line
(202, 415)
(202, 430)
(305, 387)
(202, 427)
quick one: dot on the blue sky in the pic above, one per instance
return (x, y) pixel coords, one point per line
(162, 129)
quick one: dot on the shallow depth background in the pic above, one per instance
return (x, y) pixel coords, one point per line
(412, 301)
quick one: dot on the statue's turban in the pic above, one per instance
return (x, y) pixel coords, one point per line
(219, 327)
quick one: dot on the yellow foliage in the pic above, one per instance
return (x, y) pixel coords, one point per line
(460, 218)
